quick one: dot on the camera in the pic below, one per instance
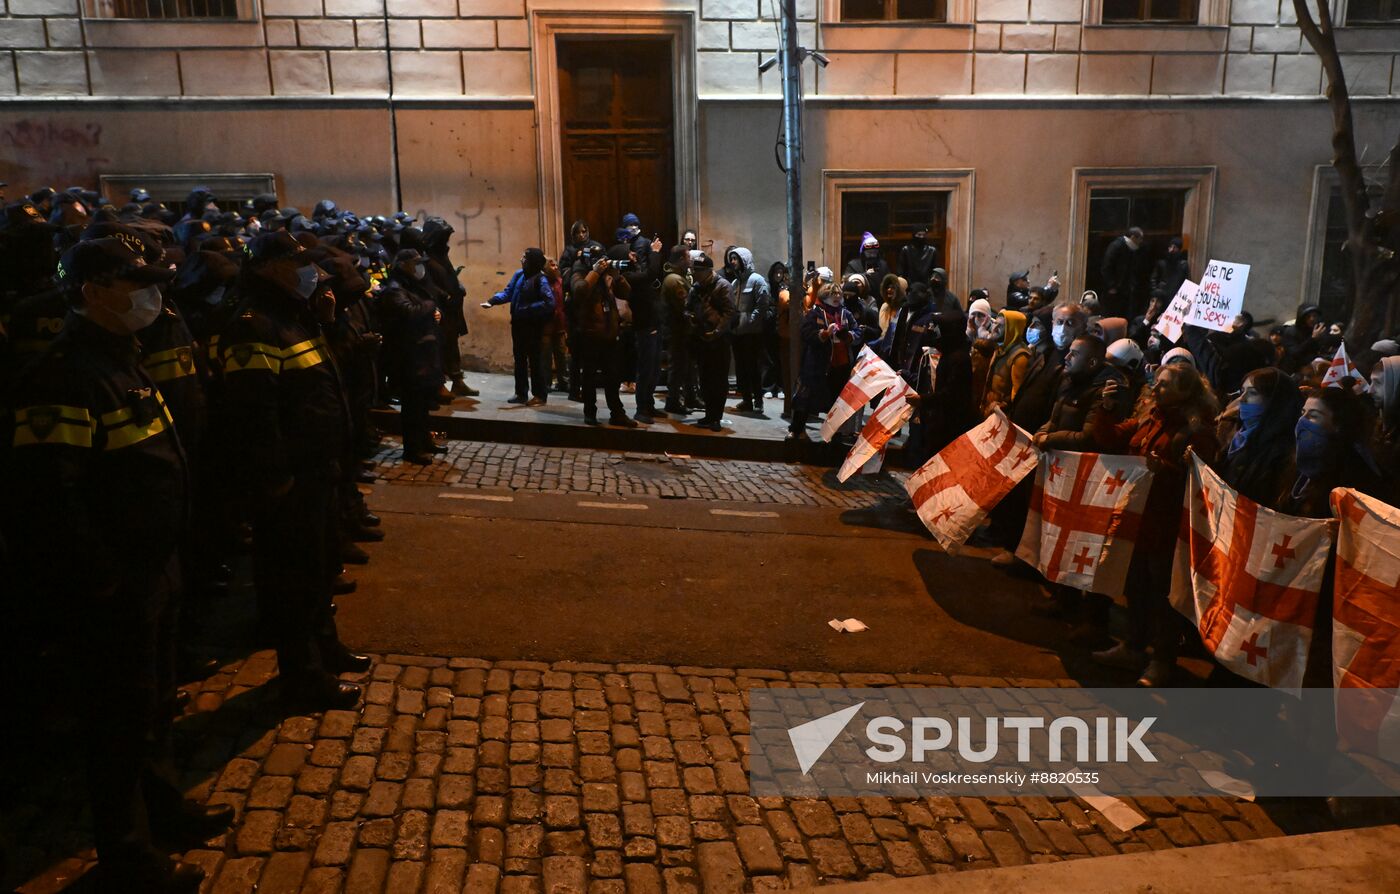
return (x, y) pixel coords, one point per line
(623, 265)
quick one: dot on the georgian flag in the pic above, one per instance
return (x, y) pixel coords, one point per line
(883, 425)
(1085, 513)
(1366, 624)
(1249, 577)
(869, 378)
(1340, 368)
(954, 490)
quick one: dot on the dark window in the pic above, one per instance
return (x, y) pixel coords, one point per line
(894, 10)
(1131, 12)
(1335, 291)
(162, 9)
(893, 218)
(1373, 12)
(1160, 214)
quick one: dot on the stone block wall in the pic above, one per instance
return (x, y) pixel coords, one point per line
(480, 49)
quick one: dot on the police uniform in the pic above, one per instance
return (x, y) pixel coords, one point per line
(287, 423)
(94, 500)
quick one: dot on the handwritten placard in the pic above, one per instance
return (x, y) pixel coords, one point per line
(1172, 322)
(1220, 297)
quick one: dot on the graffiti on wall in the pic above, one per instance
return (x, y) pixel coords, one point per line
(59, 151)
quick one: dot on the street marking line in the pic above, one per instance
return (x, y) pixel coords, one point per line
(587, 504)
(487, 498)
(739, 513)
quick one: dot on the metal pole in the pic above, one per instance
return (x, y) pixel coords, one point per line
(397, 203)
(791, 59)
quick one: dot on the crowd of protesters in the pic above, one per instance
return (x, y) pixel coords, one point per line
(184, 384)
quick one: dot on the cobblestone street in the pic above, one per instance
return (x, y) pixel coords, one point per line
(566, 778)
(555, 470)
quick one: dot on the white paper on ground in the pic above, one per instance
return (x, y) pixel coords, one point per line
(1227, 784)
(1115, 811)
(850, 625)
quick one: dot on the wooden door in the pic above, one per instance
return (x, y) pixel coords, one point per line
(617, 138)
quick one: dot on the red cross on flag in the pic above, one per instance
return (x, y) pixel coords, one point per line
(1340, 368)
(882, 425)
(1366, 624)
(953, 492)
(869, 377)
(1249, 577)
(1085, 512)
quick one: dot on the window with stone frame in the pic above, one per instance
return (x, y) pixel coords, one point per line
(894, 11)
(1373, 12)
(182, 10)
(1150, 12)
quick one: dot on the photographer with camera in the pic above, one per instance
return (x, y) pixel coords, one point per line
(710, 317)
(643, 275)
(599, 293)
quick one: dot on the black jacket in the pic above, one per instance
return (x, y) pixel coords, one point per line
(412, 357)
(1040, 387)
(284, 405)
(171, 358)
(1168, 274)
(916, 262)
(93, 486)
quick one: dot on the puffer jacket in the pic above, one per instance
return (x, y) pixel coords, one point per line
(750, 296)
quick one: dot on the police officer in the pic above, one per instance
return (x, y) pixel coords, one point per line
(94, 500)
(31, 308)
(288, 420)
(412, 356)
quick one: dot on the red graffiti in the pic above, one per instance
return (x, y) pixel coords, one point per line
(40, 135)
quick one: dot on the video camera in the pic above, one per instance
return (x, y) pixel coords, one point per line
(592, 256)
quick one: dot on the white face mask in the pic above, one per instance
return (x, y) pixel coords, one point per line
(143, 310)
(307, 279)
(1061, 335)
(215, 296)
(419, 271)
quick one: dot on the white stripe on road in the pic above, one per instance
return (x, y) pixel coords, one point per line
(738, 513)
(488, 498)
(586, 504)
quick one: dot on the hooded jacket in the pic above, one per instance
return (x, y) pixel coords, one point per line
(1009, 363)
(749, 293)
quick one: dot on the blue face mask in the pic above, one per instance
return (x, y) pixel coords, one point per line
(1250, 414)
(1313, 441)
(1033, 336)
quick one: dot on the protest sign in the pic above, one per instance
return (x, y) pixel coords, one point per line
(1172, 322)
(1221, 296)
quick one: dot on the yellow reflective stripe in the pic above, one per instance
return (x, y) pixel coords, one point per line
(134, 432)
(165, 365)
(214, 348)
(302, 355)
(117, 417)
(30, 345)
(305, 360)
(259, 356)
(56, 425)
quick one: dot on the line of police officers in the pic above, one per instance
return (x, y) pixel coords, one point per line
(168, 383)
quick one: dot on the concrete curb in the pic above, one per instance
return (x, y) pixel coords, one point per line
(1353, 860)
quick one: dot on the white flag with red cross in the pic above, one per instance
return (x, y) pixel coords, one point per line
(1085, 513)
(1249, 577)
(954, 490)
(1340, 368)
(1366, 624)
(869, 378)
(882, 425)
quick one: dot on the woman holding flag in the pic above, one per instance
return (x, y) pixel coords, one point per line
(830, 339)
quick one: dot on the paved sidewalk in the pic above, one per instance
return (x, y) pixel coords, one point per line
(478, 464)
(524, 778)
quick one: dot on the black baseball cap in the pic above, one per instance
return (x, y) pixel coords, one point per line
(119, 256)
(271, 247)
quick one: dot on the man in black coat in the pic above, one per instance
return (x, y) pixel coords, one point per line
(1169, 273)
(1120, 270)
(917, 259)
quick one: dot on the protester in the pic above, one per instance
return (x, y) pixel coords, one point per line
(532, 308)
(1329, 451)
(944, 409)
(710, 316)
(681, 377)
(1169, 272)
(943, 298)
(1008, 366)
(643, 276)
(917, 260)
(753, 306)
(1175, 416)
(831, 337)
(595, 292)
(1257, 458)
(775, 362)
(1121, 272)
(437, 234)
(1385, 392)
(869, 264)
(892, 297)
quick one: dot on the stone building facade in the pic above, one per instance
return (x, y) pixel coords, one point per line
(1029, 128)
